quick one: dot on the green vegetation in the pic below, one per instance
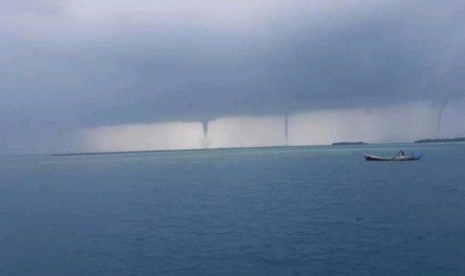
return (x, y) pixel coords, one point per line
(348, 143)
(442, 140)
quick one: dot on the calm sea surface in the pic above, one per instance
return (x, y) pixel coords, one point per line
(281, 211)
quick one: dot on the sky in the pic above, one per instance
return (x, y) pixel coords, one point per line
(81, 75)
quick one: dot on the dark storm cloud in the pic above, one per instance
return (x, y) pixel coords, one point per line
(62, 73)
(370, 61)
(45, 7)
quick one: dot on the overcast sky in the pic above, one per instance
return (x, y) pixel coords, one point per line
(100, 69)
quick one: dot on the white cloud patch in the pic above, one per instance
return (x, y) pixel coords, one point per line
(139, 137)
(247, 131)
(398, 123)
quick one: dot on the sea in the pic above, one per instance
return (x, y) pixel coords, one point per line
(263, 211)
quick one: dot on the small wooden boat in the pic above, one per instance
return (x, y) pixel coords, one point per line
(369, 157)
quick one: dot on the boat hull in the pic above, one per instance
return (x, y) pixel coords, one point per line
(369, 157)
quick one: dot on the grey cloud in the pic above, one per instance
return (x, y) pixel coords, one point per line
(135, 73)
(43, 7)
(370, 62)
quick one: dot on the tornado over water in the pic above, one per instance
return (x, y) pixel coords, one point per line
(205, 141)
(286, 129)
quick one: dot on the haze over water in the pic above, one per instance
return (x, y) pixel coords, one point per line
(275, 211)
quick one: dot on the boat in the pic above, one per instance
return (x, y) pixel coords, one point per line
(370, 157)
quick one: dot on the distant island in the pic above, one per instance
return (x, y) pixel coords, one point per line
(348, 144)
(441, 140)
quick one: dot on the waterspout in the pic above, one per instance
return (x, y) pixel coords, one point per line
(205, 140)
(286, 129)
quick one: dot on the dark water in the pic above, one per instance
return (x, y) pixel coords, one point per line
(235, 212)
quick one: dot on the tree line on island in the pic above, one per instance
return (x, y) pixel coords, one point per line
(429, 140)
(442, 140)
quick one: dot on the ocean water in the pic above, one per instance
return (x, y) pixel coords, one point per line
(275, 211)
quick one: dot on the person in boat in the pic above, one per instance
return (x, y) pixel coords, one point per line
(401, 154)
